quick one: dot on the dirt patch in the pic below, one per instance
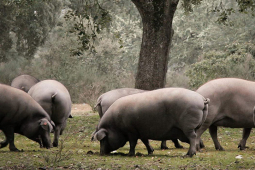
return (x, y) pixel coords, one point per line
(82, 110)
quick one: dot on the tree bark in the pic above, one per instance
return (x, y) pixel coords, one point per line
(157, 17)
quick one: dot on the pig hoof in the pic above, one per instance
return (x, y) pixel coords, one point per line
(190, 154)
(150, 153)
(131, 154)
(55, 144)
(242, 148)
(16, 150)
(220, 149)
(164, 147)
(180, 146)
(138, 154)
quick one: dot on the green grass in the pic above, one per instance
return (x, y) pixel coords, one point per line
(80, 153)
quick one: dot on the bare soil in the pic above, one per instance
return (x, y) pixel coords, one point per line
(82, 110)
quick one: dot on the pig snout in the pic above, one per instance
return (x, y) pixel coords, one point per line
(46, 143)
(104, 148)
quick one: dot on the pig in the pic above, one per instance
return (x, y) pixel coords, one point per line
(20, 113)
(108, 98)
(56, 101)
(232, 103)
(24, 82)
(155, 115)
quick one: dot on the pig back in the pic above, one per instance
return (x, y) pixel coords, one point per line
(231, 98)
(54, 98)
(108, 98)
(24, 82)
(16, 105)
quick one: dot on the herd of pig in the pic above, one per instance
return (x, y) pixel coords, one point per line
(36, 108)
(33, 108)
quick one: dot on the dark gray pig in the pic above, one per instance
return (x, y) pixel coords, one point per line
(108, 98)
(56, 101)
(152, 115)
(20, 113)
(24, 82)
(232, 103)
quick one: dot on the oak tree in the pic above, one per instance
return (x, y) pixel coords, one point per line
(157, 18)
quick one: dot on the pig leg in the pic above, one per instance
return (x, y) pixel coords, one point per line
(132, 142)
(39, 140)
(148, 146)
(213, 132)
(163, 145)
(191, 135)
(63, 127)
(246, 134)
(199, 132)
(201, 144)
(9, 134)
(56, 135)
(175, 141)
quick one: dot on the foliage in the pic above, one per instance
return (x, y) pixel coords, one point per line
(227, 8)
(199, 32)
(25, 24)
(117, 47)
(88, 75)
(88, 19)
(57, 156)
(237, 60)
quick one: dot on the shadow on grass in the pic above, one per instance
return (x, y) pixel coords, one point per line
(138, 154)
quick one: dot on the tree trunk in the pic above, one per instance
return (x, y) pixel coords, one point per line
(157, 17)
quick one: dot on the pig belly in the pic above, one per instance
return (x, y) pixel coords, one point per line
(164, 134)
(232, 123)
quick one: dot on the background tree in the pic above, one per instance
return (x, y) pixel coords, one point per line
(157, 17)
(235, 60)
(25, 25)
(112, 61)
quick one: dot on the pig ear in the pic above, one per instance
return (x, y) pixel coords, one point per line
(92, 136)
(44, 124)
(99, 135)
(53, 126)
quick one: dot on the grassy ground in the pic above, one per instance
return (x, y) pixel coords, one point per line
(76, 151)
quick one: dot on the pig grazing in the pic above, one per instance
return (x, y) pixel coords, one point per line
(155, 115)
(20, 113)
(56, 101)
(231, 105)
(24, 82)
(108, 98)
